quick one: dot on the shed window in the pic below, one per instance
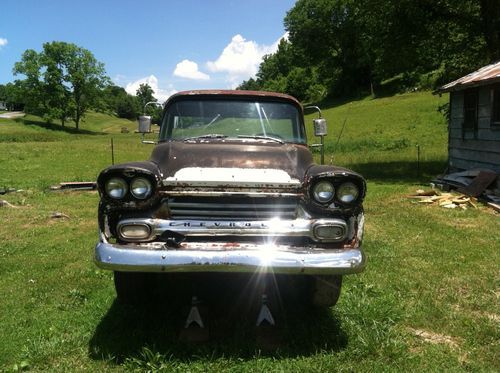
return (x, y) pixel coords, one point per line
(495, 106)
(470, 110)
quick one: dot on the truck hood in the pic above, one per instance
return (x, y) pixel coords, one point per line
(232, 162)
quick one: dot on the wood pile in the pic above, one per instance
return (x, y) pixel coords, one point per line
(470, 184)
(449, 200)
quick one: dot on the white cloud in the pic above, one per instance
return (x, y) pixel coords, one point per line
(119, 78)
(152, 81)
(189, 70)
(241, 58)
(3, 42)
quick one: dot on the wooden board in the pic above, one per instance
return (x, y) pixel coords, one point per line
(479, 184)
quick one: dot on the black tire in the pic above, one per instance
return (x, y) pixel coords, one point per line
(326, 290)
(133, 287)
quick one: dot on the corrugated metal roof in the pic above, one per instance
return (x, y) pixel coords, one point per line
(485, 75)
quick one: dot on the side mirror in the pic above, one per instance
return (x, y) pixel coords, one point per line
(320, 130)
(320, 127)
(144, 124)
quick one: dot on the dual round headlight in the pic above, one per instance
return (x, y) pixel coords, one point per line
(117, 187)
(324, 191)
(140, 187)
(347, 192)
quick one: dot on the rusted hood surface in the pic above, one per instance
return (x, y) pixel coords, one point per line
(174, 156)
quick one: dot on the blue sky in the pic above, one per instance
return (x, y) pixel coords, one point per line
(173, 45)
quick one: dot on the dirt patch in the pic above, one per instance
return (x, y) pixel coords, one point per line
(4, 203)
(486, 315)
(435, 338)
(491, 316)
(12, 115)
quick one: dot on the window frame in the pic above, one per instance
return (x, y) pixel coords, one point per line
(471, 105)
(495, 106)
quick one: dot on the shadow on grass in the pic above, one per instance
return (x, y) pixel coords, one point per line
(400, 171)
(59, 128)
(125, 331)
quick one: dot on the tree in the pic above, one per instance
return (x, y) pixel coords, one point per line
(10, 94)
(357, 44)
(127, 107)
(490, 21)
(62, 81)
(327, 34)
(250, 85)
(117, 101)
(57, 93)
(86, 77)
(32, 86)
(340, 47)
(145, 94)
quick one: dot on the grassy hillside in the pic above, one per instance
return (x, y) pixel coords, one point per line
(379, 137)
(428, 300)
(36, 154)
(379, 140)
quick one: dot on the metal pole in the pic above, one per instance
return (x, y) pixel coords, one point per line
(112, 153)
(418, 160)
(322, 149)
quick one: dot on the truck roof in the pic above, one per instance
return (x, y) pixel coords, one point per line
(234, 93)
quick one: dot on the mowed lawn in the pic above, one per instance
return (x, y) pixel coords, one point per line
(428, 300)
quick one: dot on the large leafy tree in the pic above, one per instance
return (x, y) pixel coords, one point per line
(347, 46)
(63, 81)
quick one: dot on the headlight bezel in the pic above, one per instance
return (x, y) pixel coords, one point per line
(317, 194)
(149, 188)
(343, 186)
(128, 177)
(117, 180)
(338, 181)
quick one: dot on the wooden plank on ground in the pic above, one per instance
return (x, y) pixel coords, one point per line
(479, 184)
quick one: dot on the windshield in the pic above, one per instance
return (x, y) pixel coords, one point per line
(192, 119)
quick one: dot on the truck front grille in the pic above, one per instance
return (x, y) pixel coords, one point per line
(229, 208)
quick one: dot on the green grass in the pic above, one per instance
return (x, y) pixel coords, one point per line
(379, 137)
(428, 300)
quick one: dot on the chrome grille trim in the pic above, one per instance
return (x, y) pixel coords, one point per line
(246, 228)
(231, 192)
(232, 208)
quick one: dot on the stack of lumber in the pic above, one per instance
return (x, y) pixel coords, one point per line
(447, 200)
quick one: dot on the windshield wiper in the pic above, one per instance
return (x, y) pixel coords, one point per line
(208, 136)
(216, 118)
(257, 137)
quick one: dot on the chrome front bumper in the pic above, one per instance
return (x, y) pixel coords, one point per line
(223, 257)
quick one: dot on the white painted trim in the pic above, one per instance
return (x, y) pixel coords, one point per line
(241, 177)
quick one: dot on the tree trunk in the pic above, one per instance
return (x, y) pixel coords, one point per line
(372, 91)
(77, 108)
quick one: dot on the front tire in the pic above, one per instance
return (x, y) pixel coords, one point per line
(326, 290)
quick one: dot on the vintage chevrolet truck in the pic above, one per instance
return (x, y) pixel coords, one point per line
(231, 187)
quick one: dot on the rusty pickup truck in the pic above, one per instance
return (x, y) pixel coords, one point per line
(231, 187)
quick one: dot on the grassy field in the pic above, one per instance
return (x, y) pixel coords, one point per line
(428, 300)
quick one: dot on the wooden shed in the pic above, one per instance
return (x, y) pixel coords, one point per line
(474, 124)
